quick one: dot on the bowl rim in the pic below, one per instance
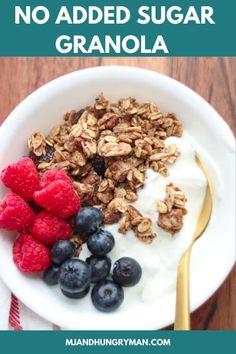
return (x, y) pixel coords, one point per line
(127, 70)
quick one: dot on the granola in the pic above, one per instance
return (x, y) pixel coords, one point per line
(142, 226)
(106, 149)
(172, 209)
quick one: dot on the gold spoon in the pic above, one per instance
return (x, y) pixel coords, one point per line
(182, 314)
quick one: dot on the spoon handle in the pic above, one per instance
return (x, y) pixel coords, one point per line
(182, 313)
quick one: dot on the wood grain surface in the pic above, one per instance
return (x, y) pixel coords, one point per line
(213, 78)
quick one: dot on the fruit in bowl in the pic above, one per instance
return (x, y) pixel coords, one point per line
(51, 228)
(142, 227)
(103, 158)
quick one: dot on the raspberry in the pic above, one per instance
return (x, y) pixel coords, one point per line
(21, 178)
(48, 228)
(57, 194)
(15, 214)
(30, 255)
(52, 176)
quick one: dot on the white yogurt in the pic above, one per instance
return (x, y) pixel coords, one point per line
(159, 260)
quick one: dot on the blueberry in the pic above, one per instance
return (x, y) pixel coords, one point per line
(100, 267)
(88, 220)
(62, 250)
(107, 296)
(127, 272)
(100, 243)
(51, 275)
(78, 295)
(98, 164)
(75, 276)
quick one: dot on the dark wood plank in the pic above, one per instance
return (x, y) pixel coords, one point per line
(213, 78)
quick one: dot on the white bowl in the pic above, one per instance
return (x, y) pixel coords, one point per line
(213, 255)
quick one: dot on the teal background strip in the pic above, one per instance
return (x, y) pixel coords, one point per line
(192, 342)
(181, 40)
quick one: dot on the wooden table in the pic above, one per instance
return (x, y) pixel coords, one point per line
(212, 78)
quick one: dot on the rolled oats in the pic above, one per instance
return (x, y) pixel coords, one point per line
(172, 209)
(118, 204)
(37, 143)
(141, 226)
(113, 149)
(106, 149)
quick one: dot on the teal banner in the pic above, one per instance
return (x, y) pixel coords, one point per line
(117, 28)
(58, 342)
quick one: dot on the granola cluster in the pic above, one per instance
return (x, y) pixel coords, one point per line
(106, 149)
(172, 209)
(142, 226)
